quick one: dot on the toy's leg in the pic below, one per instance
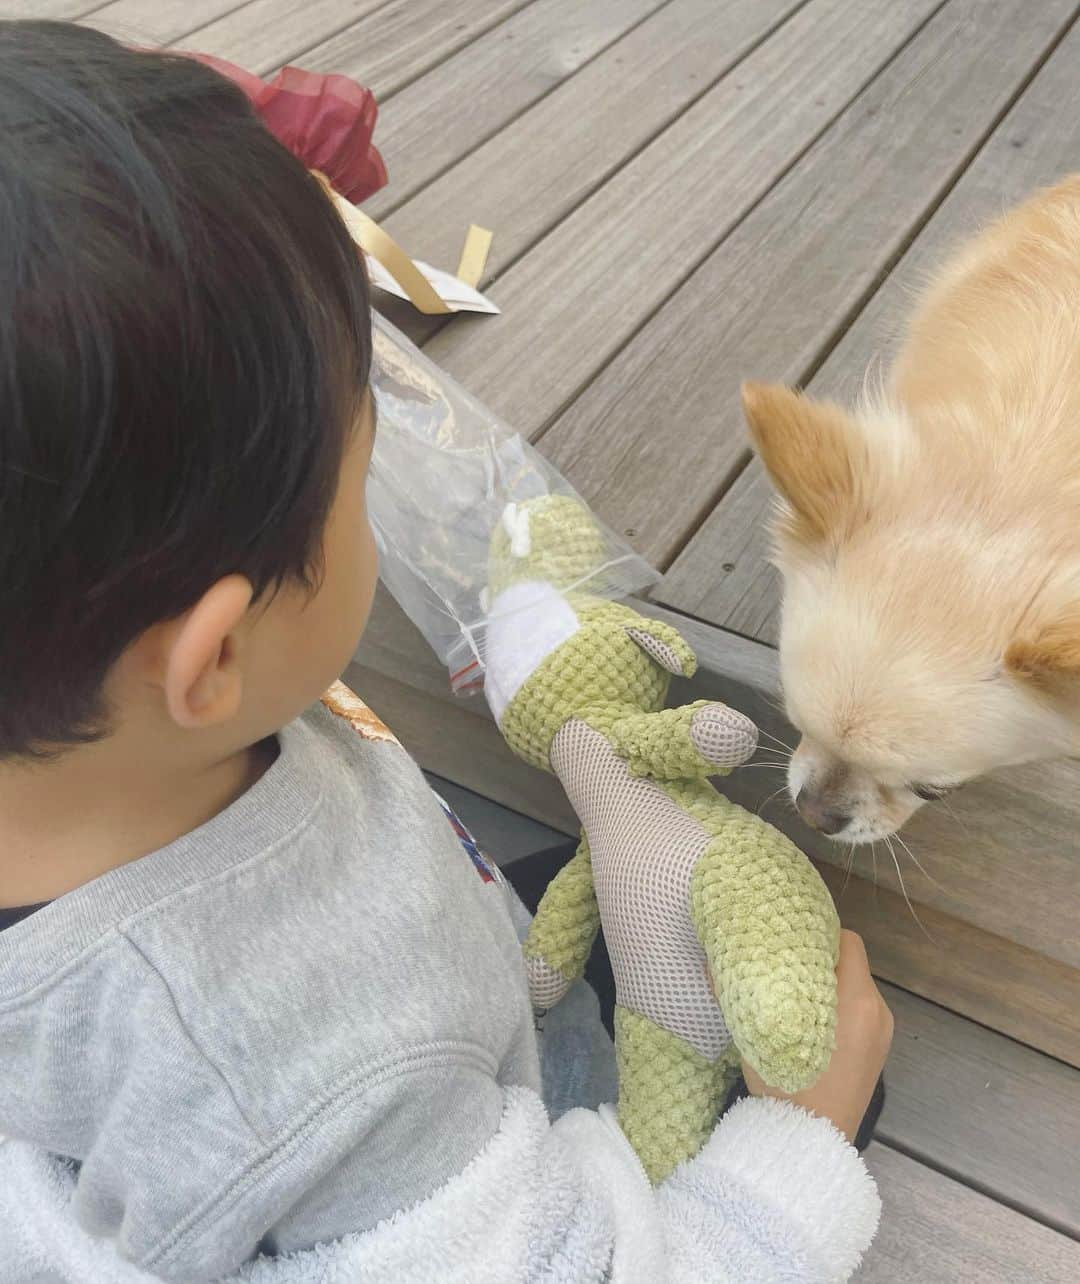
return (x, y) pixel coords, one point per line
(702, 739)
(563, 931)
(669, 1095)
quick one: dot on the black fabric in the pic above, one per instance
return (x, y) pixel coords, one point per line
(865, 1135)
(530, 876)
(9, 917)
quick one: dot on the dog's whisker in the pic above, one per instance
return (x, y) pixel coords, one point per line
(777, 704)
(949, 811)
(873, 855)
(919, 865)
(850, 867)
(903, 888)
(775, 739)
(772, 798)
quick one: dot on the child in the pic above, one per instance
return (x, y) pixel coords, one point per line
(254, 996)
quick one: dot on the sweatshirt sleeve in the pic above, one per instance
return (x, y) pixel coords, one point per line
(775, 1194)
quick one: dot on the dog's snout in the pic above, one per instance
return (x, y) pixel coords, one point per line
(817, 813)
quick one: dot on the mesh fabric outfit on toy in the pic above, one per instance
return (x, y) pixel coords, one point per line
(530, 877)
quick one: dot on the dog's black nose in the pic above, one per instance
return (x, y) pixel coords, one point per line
(818, 815)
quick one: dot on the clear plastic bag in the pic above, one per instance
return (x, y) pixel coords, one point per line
(444, 472)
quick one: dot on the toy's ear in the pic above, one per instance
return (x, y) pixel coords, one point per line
(664, 645)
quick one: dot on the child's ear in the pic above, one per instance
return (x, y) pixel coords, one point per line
(666, 646)
(203, 676)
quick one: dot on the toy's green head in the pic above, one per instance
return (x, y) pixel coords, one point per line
(555, 653)
(553, 540)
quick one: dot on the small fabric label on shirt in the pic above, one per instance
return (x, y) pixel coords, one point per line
(487, 870)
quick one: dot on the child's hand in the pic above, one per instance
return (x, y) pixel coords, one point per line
(864, 1031)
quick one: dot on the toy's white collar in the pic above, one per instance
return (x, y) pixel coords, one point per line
(526, 623)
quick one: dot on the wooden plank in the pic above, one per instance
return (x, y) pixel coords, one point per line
(159, 23)
(592, 281)
(262, 35)
(573, 138)
(998, 1116)
(937, 1231)
(989, 977)
(408, 38)
(723, 575)
(790, 274)
(468, 98)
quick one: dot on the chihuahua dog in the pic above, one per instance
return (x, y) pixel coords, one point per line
(929, 541)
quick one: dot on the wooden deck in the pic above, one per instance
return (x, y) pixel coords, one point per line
(685, 193)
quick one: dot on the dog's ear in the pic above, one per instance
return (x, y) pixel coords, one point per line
(814, 452)
(1048, 649)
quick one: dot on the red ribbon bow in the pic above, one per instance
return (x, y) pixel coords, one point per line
(326, 121)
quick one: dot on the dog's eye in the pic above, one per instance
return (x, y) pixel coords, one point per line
(931, 793)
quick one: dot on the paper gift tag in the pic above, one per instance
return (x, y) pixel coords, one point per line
(428, 289)
(454, 292)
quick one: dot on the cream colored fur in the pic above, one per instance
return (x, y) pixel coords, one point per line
(930, 541)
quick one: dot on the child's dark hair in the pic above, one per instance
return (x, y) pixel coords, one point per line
(184, 343)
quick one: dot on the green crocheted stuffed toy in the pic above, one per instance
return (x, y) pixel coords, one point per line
(679, 876)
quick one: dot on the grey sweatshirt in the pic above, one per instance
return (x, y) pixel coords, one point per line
(309, 1017)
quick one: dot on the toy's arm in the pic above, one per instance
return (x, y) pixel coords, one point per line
(562, 933)
(771, 935)
(701, 739)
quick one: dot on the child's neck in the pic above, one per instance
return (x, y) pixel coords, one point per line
(68, 820)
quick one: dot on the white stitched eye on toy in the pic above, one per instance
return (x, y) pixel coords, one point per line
(516, 524)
